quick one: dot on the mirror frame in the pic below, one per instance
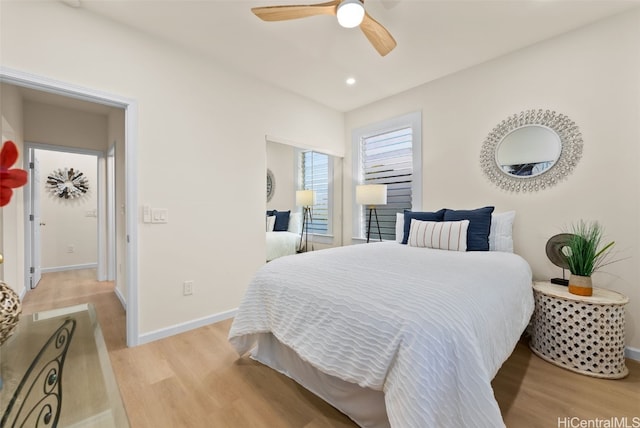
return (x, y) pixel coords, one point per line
(570, 151)
(271, 185)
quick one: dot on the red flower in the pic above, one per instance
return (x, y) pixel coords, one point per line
(9, 178)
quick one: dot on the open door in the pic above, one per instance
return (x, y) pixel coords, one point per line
(34, 219)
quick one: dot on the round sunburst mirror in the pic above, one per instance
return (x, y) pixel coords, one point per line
(67, 183)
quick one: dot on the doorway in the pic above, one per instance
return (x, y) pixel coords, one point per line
(127, 232)
(64, 206)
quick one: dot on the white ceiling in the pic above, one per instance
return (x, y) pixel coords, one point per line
(314, 56)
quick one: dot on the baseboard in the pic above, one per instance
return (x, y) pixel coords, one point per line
(632, 353)
(70, 267)
(120, 297)
(184, 327)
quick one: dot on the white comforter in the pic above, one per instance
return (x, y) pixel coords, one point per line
(280, 244)
(430, 328)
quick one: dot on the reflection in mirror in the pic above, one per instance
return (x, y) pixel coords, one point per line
(528, 151)
(531, 151)
(297, 168)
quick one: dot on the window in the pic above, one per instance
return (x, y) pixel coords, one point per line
(388, 153)
(315, 172)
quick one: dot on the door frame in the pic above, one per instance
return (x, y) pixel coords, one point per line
(111, 212)
(29, 242)
(130, 106)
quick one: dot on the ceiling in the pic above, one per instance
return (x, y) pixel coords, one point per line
(314, 56)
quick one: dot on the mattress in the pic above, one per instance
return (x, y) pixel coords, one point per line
(427, 328)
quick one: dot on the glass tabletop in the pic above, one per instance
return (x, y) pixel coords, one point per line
(55, 371)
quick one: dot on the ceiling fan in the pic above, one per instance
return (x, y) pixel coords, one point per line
(350, 14)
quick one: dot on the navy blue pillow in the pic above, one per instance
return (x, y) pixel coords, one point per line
(479, 226)
(419, 215)
(282, 220)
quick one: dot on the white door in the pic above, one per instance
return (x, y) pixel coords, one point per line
(34, 218)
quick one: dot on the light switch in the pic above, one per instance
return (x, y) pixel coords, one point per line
(146, 214)
(159, 215)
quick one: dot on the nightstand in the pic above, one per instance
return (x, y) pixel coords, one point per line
(579, 333)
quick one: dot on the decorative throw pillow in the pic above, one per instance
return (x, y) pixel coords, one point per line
(501, 234)
(271, 221)
(420, 215)
(479, 226)
(441, 235)
(282, 220)
(295, 223)
(399, 227)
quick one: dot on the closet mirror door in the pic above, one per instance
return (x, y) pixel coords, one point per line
(290, 169)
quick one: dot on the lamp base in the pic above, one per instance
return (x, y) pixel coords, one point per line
(372, 212)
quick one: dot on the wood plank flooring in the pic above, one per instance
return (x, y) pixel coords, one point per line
(195, 379)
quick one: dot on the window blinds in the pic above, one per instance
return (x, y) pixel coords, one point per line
(387, 158)
(315, 176)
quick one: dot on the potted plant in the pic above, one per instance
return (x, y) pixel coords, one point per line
(585, 255)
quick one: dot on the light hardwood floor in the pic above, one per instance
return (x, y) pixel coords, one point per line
(195, 379)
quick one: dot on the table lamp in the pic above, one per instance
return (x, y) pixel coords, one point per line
(372, 195)
(305, 199)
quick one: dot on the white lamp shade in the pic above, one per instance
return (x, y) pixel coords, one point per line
(350, 13)
(371, 194)
(305, 198)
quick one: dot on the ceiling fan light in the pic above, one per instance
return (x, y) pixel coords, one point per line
(350, 13)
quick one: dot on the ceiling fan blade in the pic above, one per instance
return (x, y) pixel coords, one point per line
(379, 37)
(283, 13)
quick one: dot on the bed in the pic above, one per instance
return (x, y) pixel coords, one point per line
(280, 244)
(285, 242)
(390, 334)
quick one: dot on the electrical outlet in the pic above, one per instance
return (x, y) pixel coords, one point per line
(70, 249)
(187, 288)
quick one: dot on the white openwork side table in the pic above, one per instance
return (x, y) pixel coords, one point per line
(581, 334)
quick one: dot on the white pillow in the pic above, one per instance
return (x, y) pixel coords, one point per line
(399, 227)
(501, 233)
(441, 235)
(295, 222)
(271, 221)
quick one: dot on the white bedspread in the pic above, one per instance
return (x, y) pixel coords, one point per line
(281, 244)
(430, 328)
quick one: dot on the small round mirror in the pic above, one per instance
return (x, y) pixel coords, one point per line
(528, 151)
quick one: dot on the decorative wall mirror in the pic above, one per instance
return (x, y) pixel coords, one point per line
(271, 185)
(67, 183)
(531, 150)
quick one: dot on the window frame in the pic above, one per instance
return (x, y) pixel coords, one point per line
(411, 120)
(322, 238)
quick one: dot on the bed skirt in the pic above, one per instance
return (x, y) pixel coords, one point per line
(364, 406)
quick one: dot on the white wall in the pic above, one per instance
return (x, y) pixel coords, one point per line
(200, 153)
(56, 125)
(281, 161)
(69, 236)
(593, 76)
(11, 215)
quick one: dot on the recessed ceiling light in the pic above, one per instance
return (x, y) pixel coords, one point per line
(351, 81)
